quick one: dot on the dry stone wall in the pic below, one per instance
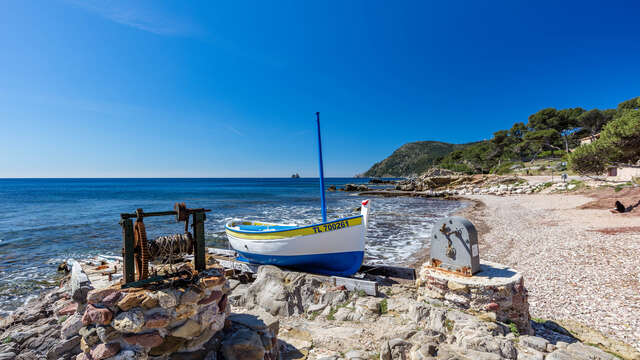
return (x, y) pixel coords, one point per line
(162, 323)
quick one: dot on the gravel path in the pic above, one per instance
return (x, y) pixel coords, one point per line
(571, 271)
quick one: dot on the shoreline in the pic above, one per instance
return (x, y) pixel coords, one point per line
(358, 322)
(520, 231)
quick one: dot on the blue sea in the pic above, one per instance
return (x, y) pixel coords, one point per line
(44, 222)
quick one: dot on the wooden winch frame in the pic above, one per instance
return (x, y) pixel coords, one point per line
(129, 253)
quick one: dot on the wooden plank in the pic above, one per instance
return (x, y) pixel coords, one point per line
(109, 257)
(351, 284)
(389, 271)
(223, 252)
(237, 265)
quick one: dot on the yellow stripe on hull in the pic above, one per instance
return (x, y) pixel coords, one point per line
(308, 230)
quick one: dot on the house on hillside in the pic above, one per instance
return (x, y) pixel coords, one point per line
(589, 139)
(623, 172)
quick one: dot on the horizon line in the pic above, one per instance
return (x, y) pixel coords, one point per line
(196, 177)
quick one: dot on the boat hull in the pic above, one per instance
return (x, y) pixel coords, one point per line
(332, 248)
(336, 264)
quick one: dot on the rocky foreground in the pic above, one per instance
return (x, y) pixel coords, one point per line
(319, 321)
(312, 320)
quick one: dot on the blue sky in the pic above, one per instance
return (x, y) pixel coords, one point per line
(229, 89)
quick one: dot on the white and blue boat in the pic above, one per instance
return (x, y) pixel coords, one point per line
(330, 248)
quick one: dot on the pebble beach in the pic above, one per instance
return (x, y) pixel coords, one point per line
(579, 264)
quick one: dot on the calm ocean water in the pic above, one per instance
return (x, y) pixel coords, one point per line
(46, 221)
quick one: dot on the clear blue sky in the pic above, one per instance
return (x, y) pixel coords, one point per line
(225, 89)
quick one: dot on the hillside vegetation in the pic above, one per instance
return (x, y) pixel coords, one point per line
(549, 133)
(412, 159)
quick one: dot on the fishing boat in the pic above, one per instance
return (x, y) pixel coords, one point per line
(333, 247)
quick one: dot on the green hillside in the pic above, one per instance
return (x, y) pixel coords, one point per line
(548, 134)
(412, 159)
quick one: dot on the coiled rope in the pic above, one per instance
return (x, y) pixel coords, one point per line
(165, 248)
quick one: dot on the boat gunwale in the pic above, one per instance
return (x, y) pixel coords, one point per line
(226, 226)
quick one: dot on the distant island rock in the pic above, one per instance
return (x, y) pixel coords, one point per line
(295, 176)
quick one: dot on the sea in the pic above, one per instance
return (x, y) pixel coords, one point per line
(44, 222)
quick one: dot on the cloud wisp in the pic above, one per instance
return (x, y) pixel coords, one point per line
(234, 130)
(128, 14)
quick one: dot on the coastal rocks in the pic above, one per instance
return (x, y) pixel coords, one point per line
(71, 326)
(287, 293)
(354, 187)
(243, 344)
(34, 331)
(250, 336)
(80, 284)
(69, 309)
(403, 323)
(431, 185)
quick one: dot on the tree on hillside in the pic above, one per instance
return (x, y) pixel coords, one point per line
(593, 120)
(631, 104)
(619, 142)
(517, 131)
(564, 122)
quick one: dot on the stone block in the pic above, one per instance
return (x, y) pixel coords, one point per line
(131, 321)
(131, 300)
(215, 295)
(187, 330)
(534, 342)
(80, 284)
(157, 321)
(170, 345)
(94, 315)
(244, 344)
(147, 340)
(71, 326)
(104, 351)
(96, 296)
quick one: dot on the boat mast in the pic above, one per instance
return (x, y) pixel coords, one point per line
(324, 204)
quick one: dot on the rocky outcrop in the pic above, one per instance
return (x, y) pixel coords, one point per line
(35, 331)
(354, 187)
(287, 293)
(324, 322)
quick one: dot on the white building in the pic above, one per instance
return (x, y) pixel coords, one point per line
(623, 172)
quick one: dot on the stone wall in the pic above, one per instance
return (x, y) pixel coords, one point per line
(166, 322)
(496, 290)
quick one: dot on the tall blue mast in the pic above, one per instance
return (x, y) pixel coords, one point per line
(324, 204)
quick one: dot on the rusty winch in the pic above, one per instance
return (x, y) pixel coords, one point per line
(454, 246)
(138, 251)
